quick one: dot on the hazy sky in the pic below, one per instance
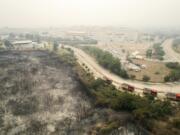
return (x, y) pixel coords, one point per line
(55, 13)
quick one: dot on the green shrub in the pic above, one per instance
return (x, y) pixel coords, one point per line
(149, 53)
(176, 123)
(174, 74)
(146, 78)
(109, 128)
(173, 65)
(167, 78)
(132, 76)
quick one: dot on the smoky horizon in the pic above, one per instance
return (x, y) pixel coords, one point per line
(66, 13)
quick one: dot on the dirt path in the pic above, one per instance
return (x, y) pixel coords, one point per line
(170, 54)
(101, 72)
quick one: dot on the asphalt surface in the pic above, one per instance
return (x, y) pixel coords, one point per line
(170, 54)
(100, 72)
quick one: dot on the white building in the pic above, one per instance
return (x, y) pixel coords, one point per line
(133, 67)
(135, 55)
(25, 44)
(139, 57)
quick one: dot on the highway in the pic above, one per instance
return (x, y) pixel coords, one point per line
(100, 72)
(170, 54)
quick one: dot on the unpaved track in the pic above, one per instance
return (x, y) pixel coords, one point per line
(170, 54)
(99, 71)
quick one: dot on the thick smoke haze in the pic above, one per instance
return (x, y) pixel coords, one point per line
(56, 13)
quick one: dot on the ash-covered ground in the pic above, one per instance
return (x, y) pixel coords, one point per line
(40, 95)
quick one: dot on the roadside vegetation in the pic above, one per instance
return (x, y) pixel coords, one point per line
(149, 53)
(146, 111)
(107, 60)
(158, 51)
(176, 45)
(174, 74)
(146, 78)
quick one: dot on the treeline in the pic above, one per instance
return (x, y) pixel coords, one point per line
(107, 60)
(145, 110)
(174, 74)
(72, 41)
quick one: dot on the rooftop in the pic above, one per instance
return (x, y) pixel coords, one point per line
(22, 42)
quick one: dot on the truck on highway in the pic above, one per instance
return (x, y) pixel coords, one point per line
(147, 91)
(173, 96)
(127, 87)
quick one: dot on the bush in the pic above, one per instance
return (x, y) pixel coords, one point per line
(160, 109)
(149, 53)
(142, 113)
(167, 78)
(173, 65)
(132, 76)
(176, 123)
(146, 78)
(108, 128)
(175, 73)
(157, 73)
(97, 83)
(35, 127)
(173, 76)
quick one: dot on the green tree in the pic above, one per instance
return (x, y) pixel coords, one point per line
(107, 60)
(7, 43)
(149, 53)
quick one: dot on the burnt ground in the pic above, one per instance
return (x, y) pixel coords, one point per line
(39, 94)
(36, 87)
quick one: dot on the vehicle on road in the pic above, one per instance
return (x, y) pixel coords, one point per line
(127, 87)
(173, 96)
(147, 91)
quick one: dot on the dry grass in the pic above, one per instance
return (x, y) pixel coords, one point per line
(128, 47)
(155, 70)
